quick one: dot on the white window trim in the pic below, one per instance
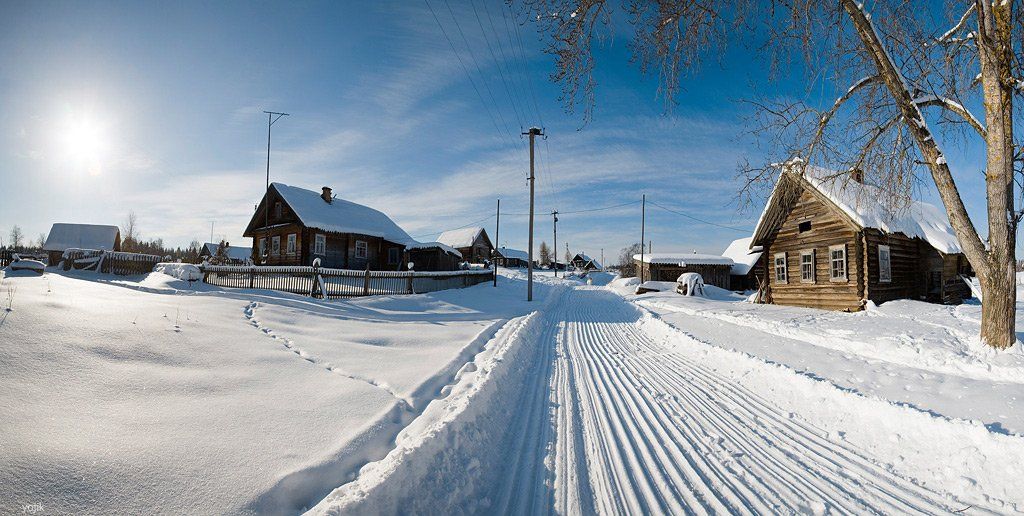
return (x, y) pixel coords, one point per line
(814, 272)
(263, 246)
(291, 243)
(846, 265)
(365, 247)
(275, 245)
(320, 244)
(785, 269)
(887, 278)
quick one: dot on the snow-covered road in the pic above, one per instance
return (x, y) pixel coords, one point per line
(613, 415)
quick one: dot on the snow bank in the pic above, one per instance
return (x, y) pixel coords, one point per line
(956, 456)
(182, 271)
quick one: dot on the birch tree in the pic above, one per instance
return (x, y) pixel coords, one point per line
(905, 75)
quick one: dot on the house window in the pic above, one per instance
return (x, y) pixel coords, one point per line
(361, 249)
(277, 210)
(320, 244)
(807, 266)
(392, 255)
(837, 260)
(780, 268)
(884, 264)
(275, 245)
(291, 243)
(263, 246)
(805, 226)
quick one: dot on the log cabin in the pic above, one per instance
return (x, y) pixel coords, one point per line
(294, 226)
(714, 270)
(64, 236)
(473, 243)
(829, 242)
(747, 268)
(232, 255)
(584, 263)
(507, 257)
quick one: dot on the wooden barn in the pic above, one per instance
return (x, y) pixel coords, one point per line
(473, 243)
(507, 257)
(65, 236)
(747, 268)
(233, 255)
(584, 263)
(294, 226)
(714, 269)
(828, 242)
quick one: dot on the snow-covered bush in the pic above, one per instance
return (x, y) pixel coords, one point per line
(182, 271)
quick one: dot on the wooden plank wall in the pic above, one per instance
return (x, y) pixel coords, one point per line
(906, 267)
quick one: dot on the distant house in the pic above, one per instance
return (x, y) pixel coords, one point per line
(585, 263)
(506, 257)
(829, 242)
(65, 236)
(714, 269)
(235, 255)
(473, 243)
(747, 268)
(294, 226)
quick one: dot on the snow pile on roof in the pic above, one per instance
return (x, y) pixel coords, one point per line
(430, 245)
(864, 204)
(460, 237)
(340, 216)
(683, 259)
(82, 236)
(514, 253)
(740, 252)
(233, 252)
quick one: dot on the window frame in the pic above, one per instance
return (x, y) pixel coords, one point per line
(813, 264)
(784, 279)
(290, 246)
(365, 248)
(800, 226)
(262, 246)
(832, 264)
(394, 256)
(275, 245)
(278, 210)
(887, 278)
(320, 244)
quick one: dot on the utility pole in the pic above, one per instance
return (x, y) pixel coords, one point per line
(533, 133)
(271, 118)
(643, 223)
(497, 227)
(554, 217)
(602, 258)
(211, 231)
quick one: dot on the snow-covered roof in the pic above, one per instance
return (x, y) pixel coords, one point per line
(744, 256)
(431, 245)
(864, 205)
(514, 253)
(80, 236)
(463, 237)
(340, 216)
(233, 252)
(586, 259)
(683, 259)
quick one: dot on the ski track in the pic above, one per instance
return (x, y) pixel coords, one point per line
(250, 315)
(619, 421)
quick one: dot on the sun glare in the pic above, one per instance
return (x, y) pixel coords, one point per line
(84, 142)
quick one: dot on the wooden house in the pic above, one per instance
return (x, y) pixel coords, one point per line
(65, 236)
(294, 226)
(584, 263)
(714, 269)
(473, 243)
(829, 242)
(233, 255)
(747, 269)
(506, 257)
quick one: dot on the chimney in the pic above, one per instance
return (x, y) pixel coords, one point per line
(326, 195)
(857, 175)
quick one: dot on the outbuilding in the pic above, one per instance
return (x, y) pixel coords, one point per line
(472, 242)
(715, 269)
(64, 236)
(747, 269)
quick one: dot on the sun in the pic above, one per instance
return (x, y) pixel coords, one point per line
(83, 142)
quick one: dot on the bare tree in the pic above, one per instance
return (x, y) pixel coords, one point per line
(16, 237)
(130, 236)
(888, 68)
(545, 254)
(41, 241)
(627, 266)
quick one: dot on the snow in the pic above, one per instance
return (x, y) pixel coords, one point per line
(432, 245)
(463, 237)
(233, 252)
(514, 253)
(82, 236)
(692, 283)
(682, 259)
(340, 216)
(743, 255)
(27, 265)
(182, 271)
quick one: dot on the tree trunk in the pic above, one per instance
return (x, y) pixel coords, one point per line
(998, 310)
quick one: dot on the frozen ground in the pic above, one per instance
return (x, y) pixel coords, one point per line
(131, 397)
(471, 401)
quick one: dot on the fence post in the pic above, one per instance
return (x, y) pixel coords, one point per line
(252, 277)
(366, 281)
(408, 286)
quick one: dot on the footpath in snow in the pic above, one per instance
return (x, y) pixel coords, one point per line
(594, 405)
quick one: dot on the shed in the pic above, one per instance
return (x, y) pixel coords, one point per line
(747, 269)
(507, 257)
(64, 236)
(234, 254)
(472, 242)
(716, 270)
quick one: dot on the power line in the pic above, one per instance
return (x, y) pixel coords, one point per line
(589, 210)
(501, 71)
(697, 219)
(460, 227)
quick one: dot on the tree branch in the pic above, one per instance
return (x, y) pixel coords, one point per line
(827, 117)
(956, 28)
(954, 107)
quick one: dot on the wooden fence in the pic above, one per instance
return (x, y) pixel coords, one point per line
(6, 256)
(321, 282)
(109, 262)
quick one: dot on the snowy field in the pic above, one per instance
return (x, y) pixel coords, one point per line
(153, 396)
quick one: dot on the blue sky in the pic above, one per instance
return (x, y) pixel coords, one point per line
(156, 108)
